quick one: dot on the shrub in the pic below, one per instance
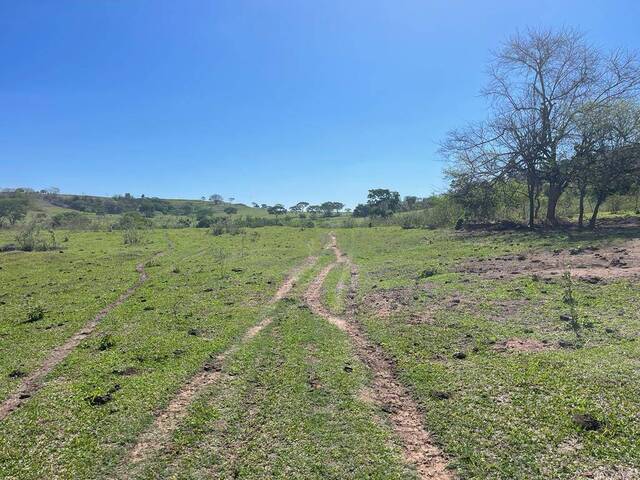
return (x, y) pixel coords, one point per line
(31, 238)
(132, 236)
(70, 220)
(224, 225)
(133, 220)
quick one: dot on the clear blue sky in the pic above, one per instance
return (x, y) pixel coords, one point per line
(267, 101)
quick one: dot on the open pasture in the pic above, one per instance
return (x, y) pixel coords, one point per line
(261, 355)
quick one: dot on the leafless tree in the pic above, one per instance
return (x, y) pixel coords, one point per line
(540, 81)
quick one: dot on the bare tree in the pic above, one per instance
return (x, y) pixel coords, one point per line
(549, 75)
(539, 83)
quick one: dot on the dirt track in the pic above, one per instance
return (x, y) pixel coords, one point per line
(386, 390)
(170, 417)
(34, 380)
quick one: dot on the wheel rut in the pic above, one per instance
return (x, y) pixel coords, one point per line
(168, 419)
(34, 381)
(405, 417)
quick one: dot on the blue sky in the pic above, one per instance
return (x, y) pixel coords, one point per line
(266, 101)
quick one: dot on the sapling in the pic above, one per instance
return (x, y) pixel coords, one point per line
(569, 299)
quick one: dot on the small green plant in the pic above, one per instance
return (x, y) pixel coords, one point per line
(570, 301)
(34, 313)
(220, 256)
(106, 342)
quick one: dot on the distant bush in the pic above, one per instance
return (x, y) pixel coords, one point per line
(71, 220)
(183, 223)
(222, 225)
(31, 238)
(133, 220)
(132, 236)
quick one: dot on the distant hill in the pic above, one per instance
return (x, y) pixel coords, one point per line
(52, 204)
(57, 202)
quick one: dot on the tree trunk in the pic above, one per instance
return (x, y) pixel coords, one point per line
(581, 208)
(555, 191)
(531, 211)
(532, 194)
(594, 216)
(532, 197)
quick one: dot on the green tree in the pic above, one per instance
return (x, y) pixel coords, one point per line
(277, 210)
(12, 209)
(383, 202)
(299, 207)
(216, 198)
(328, 208)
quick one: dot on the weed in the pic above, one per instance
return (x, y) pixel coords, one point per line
(569, 299)
(106, 342)
(34, 313)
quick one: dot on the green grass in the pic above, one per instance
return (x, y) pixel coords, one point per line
(509, 415)
(163, 334)
(286, 407)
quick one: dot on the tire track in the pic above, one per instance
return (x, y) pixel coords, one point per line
(168, 419)
(388, 393)
(34, 381)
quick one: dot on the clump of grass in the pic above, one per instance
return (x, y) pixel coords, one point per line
(221, 256)
(34, 313)
(106, 342)
(570, 301)
(429, 272)
(100, 397)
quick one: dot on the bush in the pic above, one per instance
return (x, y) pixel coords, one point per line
(31, 238)
(133, 220)
(70, 220)
(132, 236)
(224, 225)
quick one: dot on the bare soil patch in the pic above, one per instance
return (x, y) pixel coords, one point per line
(387, 391)
(515, 345)
(611, 473)
(32, 382)
(387, 302)
(591, 264)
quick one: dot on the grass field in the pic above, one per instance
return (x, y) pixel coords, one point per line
(518, 372)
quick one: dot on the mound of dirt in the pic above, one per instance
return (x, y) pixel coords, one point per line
(591, 264)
